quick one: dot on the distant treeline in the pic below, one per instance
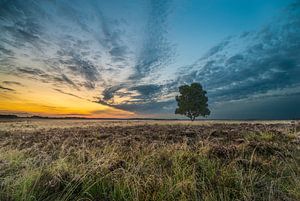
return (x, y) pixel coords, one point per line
(43, 117)
(10, 116)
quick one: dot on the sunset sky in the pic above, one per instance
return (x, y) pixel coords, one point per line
(116, 58)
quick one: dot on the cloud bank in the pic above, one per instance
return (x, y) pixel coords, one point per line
(81, 47)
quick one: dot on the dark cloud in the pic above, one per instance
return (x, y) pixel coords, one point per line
(77, 65)
(269, 107)
(234, 59)
(6, 89)
(66, 93)
(118, 53)
(143, 99)
(42, 76)
(108, 93)
(142, 107)
(141, 93)
(12, 83)
(64, 78)
(219, 47)
(4, 51)
(82, 67)
(149, 107)
(89, 85)
(18, 26)
(147, 91)
(31, 71)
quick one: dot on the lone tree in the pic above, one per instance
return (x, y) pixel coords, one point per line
(192, 101)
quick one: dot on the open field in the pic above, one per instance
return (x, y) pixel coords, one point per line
(149, 160)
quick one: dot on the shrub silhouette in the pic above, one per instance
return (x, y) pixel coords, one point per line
(192, 101)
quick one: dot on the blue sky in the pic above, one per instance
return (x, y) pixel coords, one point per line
(210, 21)
(132, 55)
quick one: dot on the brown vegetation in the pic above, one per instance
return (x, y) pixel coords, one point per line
(149, 161)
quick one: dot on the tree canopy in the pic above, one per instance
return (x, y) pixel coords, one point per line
(192, 101)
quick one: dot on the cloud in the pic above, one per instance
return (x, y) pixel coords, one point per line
(219, 47)
(118, 53)
(80, 66)
(146, 92)
(149, 107)
(112, 36)
(64, 78)
(5, 51)
(142, 99)
(17, 27)
(6, 89)
(143, 92)
(32, 71)
(268, 107)
(156, 50)
(142, 107)
(78, 46)
(42, 76)
(12, 83)
(253, 63)
(68, 42)
(89, 85)
(108, 93)
(70, 94)
(81, 45)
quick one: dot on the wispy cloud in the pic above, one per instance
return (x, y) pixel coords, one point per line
(59, 44)
(6, 88)
(12, 83)
(67, 93)
(38, 74)
(156, 51)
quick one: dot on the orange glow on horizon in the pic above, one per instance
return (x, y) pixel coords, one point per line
(42, 99)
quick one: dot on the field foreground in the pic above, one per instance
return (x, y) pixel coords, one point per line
(149, 160)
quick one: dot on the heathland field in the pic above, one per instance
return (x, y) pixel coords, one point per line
(149, 160)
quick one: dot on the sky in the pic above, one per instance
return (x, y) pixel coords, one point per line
(116, 58)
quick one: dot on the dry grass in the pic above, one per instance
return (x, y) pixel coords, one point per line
(148, 160)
